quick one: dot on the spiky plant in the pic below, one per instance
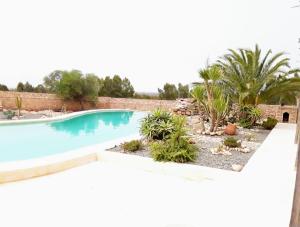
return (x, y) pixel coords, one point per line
(251, 78)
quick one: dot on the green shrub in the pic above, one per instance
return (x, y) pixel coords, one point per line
(177, 148)
(231, 142)
(9, 114)
(158, 125)
(249, 115)
(132, 146)
(270, 123)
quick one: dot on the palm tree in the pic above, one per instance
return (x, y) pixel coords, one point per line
(250, 78)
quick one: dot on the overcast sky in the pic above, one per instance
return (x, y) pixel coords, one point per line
(150, 42)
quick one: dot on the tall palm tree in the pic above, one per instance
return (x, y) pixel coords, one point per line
(251, 78)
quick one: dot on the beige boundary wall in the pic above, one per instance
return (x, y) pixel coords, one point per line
(39, 101)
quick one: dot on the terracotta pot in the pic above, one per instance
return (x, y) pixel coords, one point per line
(230, 129)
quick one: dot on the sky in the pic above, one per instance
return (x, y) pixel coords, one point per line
(150, 42)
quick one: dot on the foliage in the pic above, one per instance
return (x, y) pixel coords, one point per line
(116, 87)
(250, 78)
(249, 136)
(145, 96)
(183, 91)
(3, 87)
(27, 87)
(211, 96)
(231, 142)
(75, 86)
(19, 103)
(270, 123)
(169, 92)
(158, 125)
(132, 146)
(40, 89)
(249, 115)
(177, 148)
(52, 80)
(9, 114)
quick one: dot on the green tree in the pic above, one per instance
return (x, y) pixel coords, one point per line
(20, 87)
(52, 80)
(169, 92)
(28, 87)
(127, 88)
(40, 89)
(73, 85)
(116, 87)
(250, 78)
(3, 87)
(183, 91)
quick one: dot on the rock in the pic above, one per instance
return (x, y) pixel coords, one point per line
(15, 118)
(212, 133)
(245, 150)
(219, 133)
(237, 167)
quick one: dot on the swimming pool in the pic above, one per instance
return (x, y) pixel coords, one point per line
(34, 140)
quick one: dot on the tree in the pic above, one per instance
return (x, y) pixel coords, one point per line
(73, 85)
(127, 88)
(52, 80)
(40, 89)
(116, 87)
(183, 91)
(3, 87)
(169, 92)
(252, 79)
(28, 87)
(211, 97)
(20, 87)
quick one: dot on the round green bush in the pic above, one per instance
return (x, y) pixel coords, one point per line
(231, 142)
(270, 123)
(132, 146)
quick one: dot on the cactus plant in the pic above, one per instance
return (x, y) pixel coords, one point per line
(19, 103)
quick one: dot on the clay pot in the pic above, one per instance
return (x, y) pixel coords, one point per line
(230, 129)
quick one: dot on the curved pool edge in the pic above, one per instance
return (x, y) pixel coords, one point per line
(62, 117)
(37, 167)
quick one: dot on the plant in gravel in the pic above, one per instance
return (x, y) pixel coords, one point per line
(231, 142)
(249, 115)
(249, 136)
(9, 114)
(132, 146)
(177, 148)
(158, 125)
(270, 123)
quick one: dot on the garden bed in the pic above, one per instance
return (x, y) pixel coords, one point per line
(235, 161)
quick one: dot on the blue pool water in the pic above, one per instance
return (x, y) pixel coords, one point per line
(26, 141)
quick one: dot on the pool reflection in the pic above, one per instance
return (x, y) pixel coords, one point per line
(90, 123)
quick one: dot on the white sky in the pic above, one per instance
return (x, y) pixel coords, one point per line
(150, 42)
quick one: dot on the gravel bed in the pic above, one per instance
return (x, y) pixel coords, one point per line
(32, 115)
(205, 143)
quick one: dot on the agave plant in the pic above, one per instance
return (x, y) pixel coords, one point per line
(251, 78)
(19, 103)
(158, 125)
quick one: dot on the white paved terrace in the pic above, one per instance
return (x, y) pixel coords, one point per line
(107, 194)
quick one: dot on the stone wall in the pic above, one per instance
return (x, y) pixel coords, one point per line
(40, 101)
(277, 111)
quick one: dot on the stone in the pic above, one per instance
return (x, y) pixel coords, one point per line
(245, 150)
(237, 167)
(15, 118)
(219, 133)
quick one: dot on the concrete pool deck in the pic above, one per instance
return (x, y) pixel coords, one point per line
(105, 193)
